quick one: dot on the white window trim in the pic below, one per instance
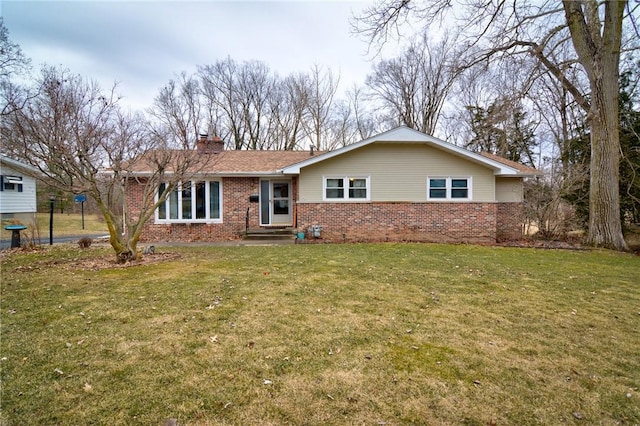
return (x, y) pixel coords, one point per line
(448, 188)
(346, 198)
(207, 197)
(16, 183)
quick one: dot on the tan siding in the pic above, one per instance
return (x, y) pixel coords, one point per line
(398, 172)
(509, 190)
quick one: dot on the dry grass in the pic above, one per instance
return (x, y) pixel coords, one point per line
(66, 224)
(323, 334)
(632, 236)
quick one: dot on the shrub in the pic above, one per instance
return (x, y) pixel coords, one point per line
(85, 242)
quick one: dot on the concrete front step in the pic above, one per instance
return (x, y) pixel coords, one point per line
(270, 234)
(268, 237)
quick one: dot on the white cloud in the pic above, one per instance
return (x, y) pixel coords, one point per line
(143, 44)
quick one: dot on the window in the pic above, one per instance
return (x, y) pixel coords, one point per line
(192, 201)
(214, 200)
(459, 188)
(11, 183)
(357, 188)
(441, 188)
(437, 188)
(335, 188)
(346, 188)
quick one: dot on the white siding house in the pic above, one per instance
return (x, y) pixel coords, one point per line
(17, 191)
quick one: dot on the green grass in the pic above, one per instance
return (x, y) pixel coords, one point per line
(65, 224)
(323, 334)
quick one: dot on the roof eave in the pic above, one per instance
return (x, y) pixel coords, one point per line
(217, 174)
(517, 174)
(407, 135)
(25, 168)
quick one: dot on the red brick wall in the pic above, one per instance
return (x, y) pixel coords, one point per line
(510, 222)
(433, 222)
(235, 201)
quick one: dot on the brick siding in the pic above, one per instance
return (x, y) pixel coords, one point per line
(235, 201)
(509, 222)
(483, 223)
(432, 222)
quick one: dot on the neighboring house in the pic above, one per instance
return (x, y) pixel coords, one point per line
(17, 191)
(401, 185)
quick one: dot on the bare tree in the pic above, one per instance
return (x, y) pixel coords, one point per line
(320, 106)
(413, 87)
(363, 119)
(254, 90)
(220, 89)
(12, 60)
(546, 207)
(341, 130)
(289, 102)
(12, 63)
(350, 121)
(178, 110)
(257, 109)
(594, 30)
(81, 142)
(560, 117)
(242, 96)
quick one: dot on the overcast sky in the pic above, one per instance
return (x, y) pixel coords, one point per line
(143, 44)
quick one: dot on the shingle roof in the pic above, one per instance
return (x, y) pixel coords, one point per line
(256, 161)
(268, 162)
(518, 166)
(237, 162)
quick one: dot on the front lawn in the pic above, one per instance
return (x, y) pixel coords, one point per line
(64, 224)
(322, 334)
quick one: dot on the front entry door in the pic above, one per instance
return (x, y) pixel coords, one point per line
(275, 202)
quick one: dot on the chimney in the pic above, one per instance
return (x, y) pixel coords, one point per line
(311, 151)
(210, 145)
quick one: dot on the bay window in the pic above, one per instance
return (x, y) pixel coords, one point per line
(191, 201)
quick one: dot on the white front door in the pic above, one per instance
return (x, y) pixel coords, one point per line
(275, 202)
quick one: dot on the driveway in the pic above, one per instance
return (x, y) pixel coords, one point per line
(4, 244)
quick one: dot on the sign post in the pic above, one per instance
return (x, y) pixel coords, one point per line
(52, 202)
(81, 198)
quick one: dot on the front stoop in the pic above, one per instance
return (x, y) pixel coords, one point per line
(274, 234)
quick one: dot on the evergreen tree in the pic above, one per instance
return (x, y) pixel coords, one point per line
(579, 152)
(503, 129)
(630, 148)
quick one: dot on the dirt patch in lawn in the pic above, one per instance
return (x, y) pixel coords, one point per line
(106, 263)
(93, 263)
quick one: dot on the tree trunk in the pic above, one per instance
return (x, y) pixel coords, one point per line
(605, 226)
(125, 252)
(597, 44)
